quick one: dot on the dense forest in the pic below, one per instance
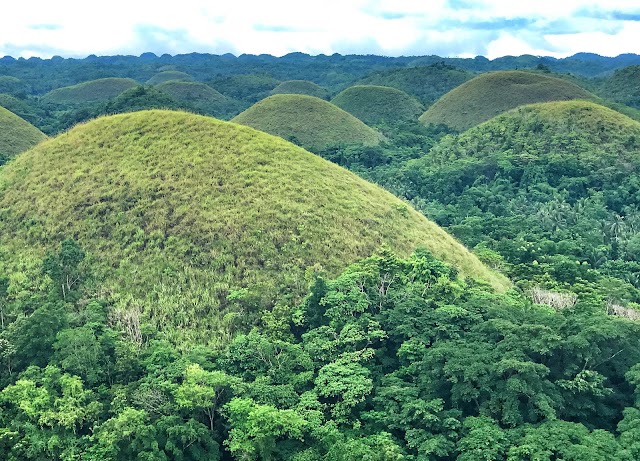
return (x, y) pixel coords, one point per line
(315, 258)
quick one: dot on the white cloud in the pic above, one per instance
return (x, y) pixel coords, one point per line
(449, 27)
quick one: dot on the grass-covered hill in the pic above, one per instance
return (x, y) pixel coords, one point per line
(301, 87)
(552, 187)
(250, 88)
(375, 104)
(309, 122)
(623, 86)
(490, 94)
(427, 83)
(169, 75)
(16, 135)
(187, 218)
(201, 97)
(99, 90)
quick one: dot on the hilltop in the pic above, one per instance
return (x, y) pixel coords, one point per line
(200, 96)
(301, 87)
(16, 135)
(169, 75)
(180, 210)
(374, 104)
(100, 90)
(310, 122)
(427, 83)
(490, 94)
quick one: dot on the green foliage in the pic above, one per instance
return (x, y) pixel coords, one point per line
(307, 121)
(301, 87)
(376, 104)
(493, 93)
(100, 90)
(16, 135)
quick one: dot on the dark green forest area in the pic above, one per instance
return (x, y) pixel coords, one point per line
(174, 287)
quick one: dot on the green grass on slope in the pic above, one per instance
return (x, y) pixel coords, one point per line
(16, 135)
(201, 96)
(623, 87)
(167, 76)
(375, 104)
(310, 122)
(100, 90)
(490, 94)
(177, 211)
(427, 83)
(301, 87)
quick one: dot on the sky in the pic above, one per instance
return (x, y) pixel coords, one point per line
(448, 28)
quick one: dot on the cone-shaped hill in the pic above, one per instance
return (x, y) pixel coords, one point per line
(99, 90)
(16, 135)
(491, 94)
(301, 87)
(200, 96)
(310, 122)
(177, 210)
(374, 104)
(427, 83)
(169, 75)
(577, 146)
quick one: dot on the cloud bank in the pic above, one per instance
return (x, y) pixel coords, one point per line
(466, 28)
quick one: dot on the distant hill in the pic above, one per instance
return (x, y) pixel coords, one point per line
(168, 75)
(250, 88)
(623, 87)
(16, 135)
(201, 97)
(490, 94)
(301, 87)
(100, 90)
(11, 85)
(182, 214)
(427, 83)
(20, 107)
(309, 122)
(374, 104)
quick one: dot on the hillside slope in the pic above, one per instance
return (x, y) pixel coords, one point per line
(16, 135)
(301, 87)
(99, 90)
(623, 87)
(310, 122)
(375, 104)
(427, 83)
(168, 75)
(490, 94)
(201, 97)
(180, 211)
